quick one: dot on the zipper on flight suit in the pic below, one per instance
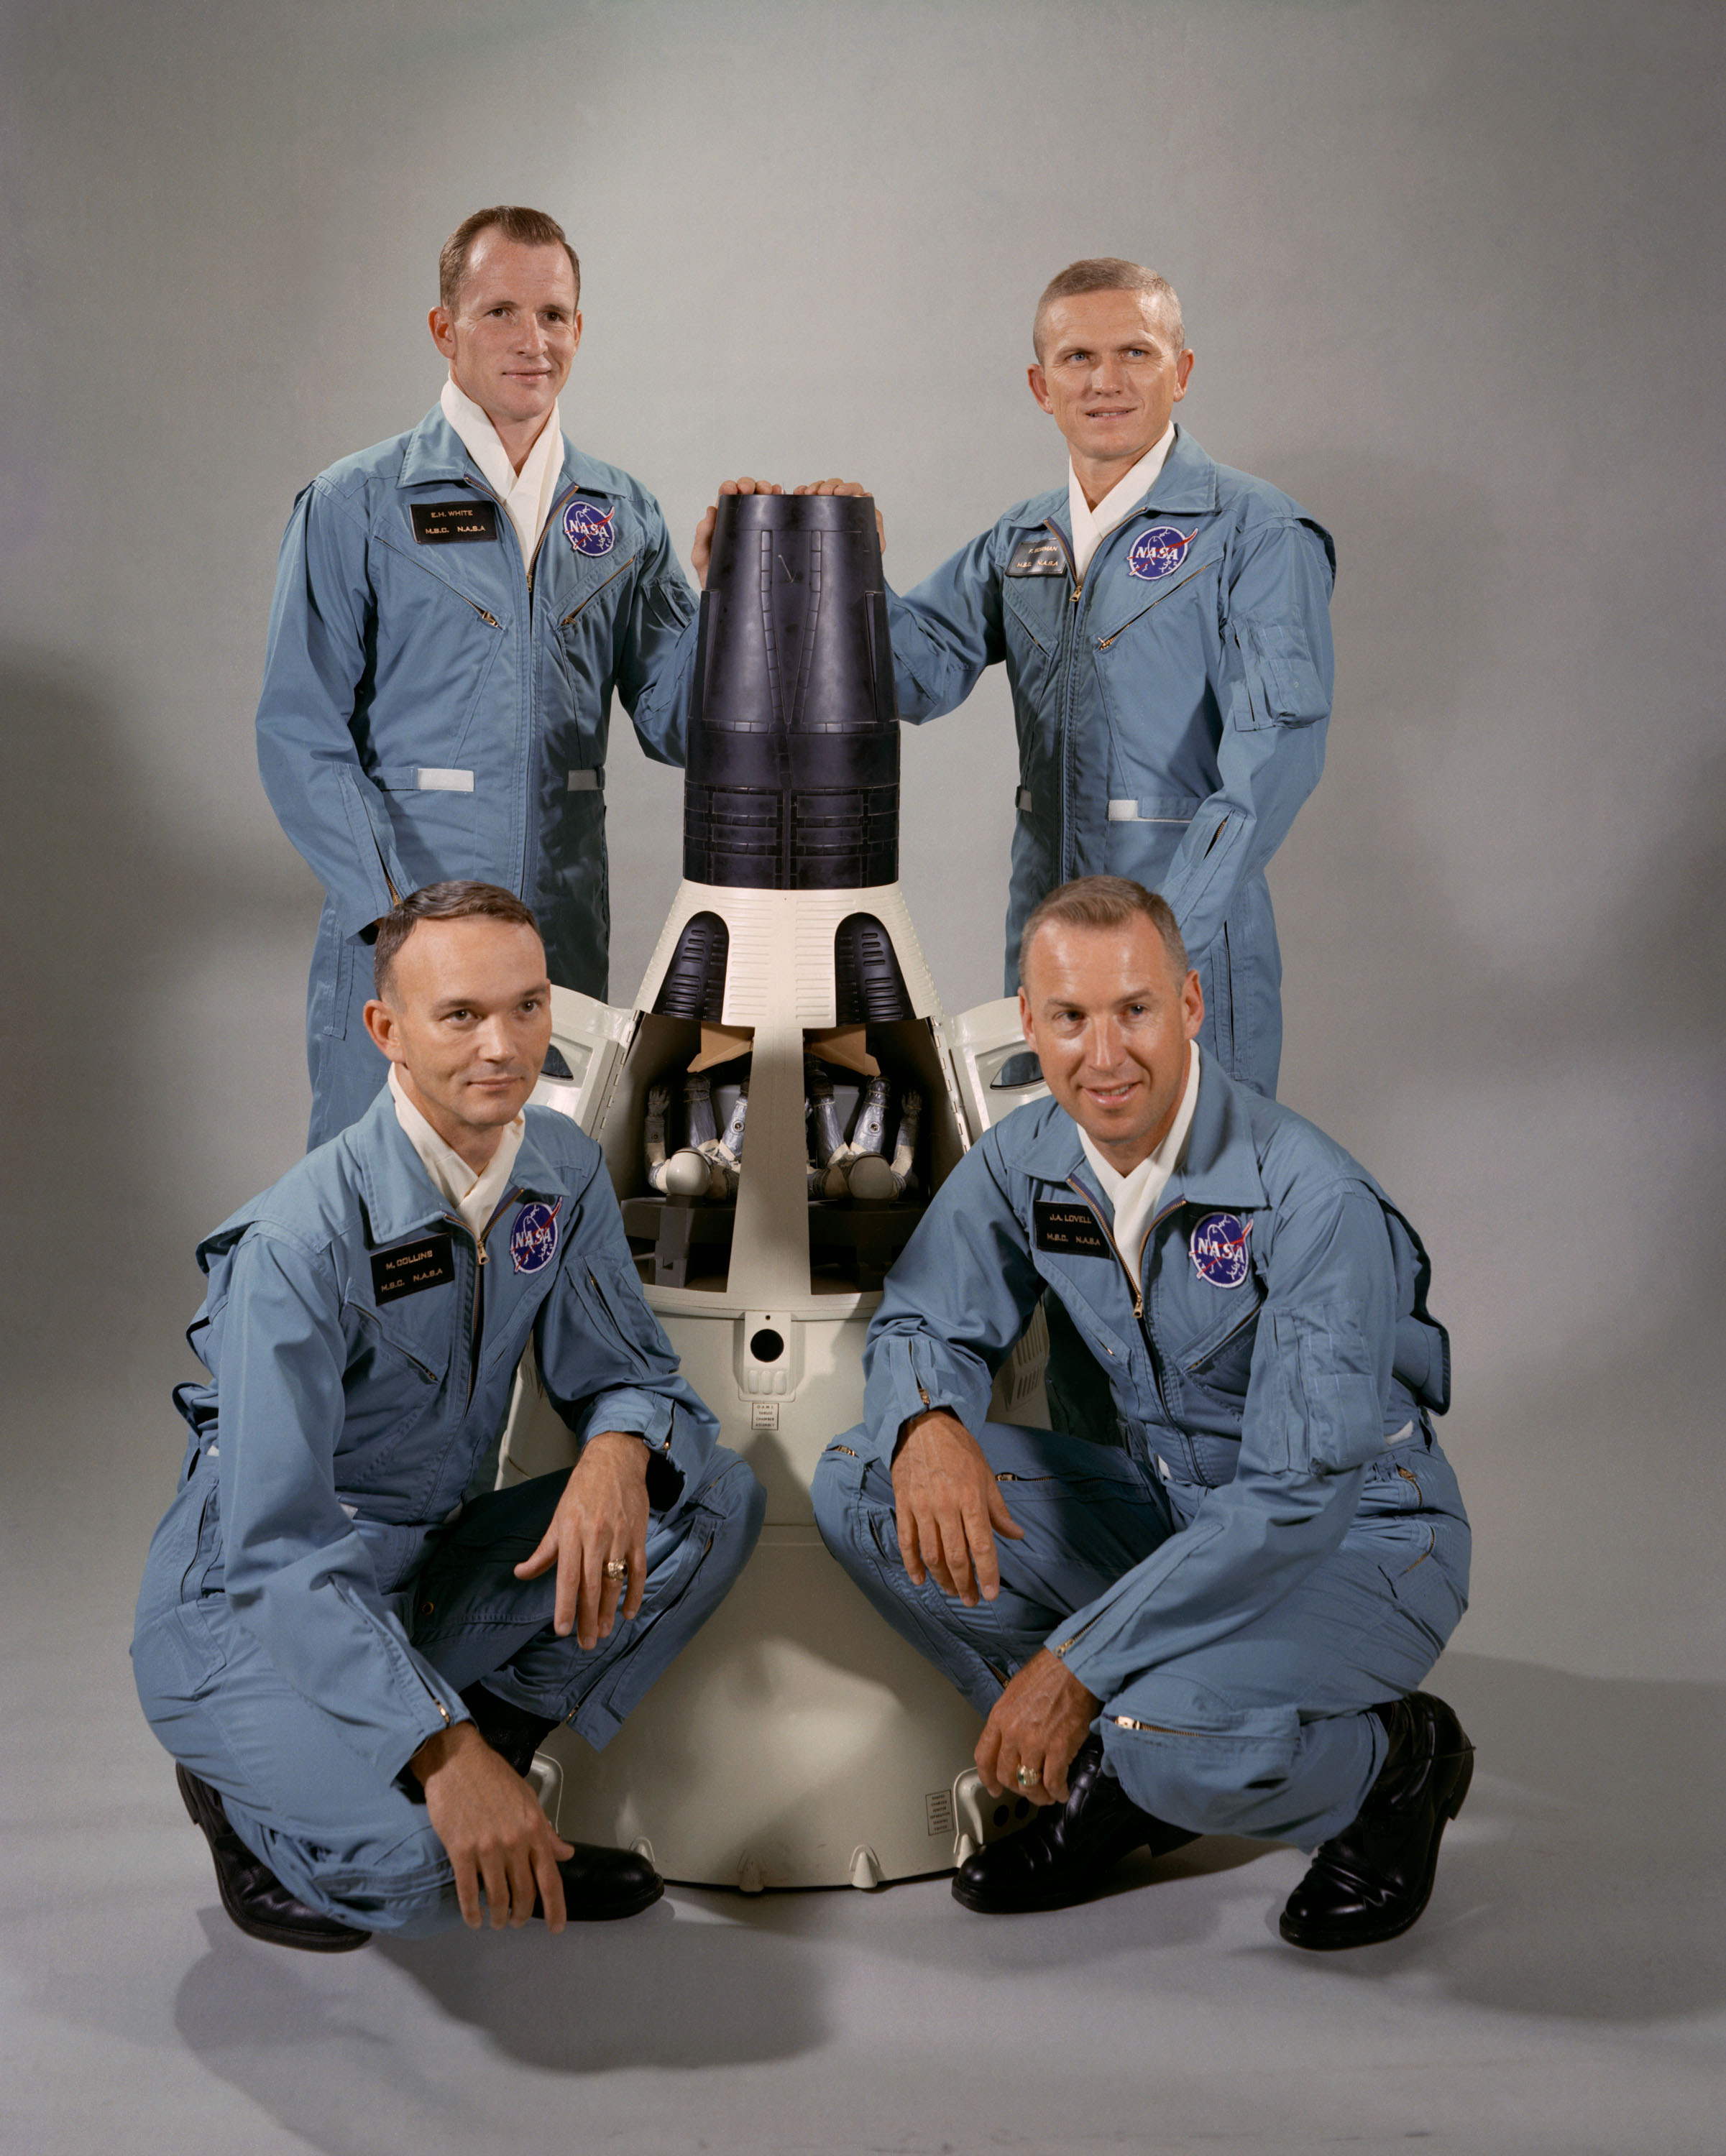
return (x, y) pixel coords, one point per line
(527, 568)
(1069, 649)
(476, 1324)
(1139, 1301)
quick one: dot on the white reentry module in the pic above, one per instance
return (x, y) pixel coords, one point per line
(798, 1741)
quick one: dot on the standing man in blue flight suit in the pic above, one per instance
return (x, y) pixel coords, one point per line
(1220, 1628)
(454, 609)
(1165, 626)
(348, 1640)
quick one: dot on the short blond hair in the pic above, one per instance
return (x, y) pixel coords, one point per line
(1108, 272)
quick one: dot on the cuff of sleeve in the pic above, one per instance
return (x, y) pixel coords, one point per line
(640, 1415)
(1087, 1659)
(451, 1716)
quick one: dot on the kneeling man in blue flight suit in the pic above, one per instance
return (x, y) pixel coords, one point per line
(348, 1640)
(1219, 1628)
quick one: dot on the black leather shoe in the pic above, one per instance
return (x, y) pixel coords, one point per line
(602, 1884)
(1373, 1880)
(512, 1732)
(251, 1893)
(1064, 1856)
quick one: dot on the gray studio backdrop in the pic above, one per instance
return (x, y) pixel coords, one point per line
(1452, 276)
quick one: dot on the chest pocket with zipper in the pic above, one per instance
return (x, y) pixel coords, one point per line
(1034, 611)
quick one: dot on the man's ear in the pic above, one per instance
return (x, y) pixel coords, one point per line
(381, 1025)
(1024, 1014)
(1192, 1004)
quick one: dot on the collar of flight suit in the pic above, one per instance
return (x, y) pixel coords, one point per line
(399, 1196)
(1220, 1166)
(436, 452)
(1186, 487)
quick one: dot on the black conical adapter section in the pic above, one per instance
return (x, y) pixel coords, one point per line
(792, 773)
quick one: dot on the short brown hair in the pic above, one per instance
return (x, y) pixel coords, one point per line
(441, 901)
(529, 228)
(1108, 272)
(1106, 902)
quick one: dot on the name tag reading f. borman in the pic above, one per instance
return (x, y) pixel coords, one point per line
(453, 523)
(1070, 1227)
(411, 1266)
(1037, 558)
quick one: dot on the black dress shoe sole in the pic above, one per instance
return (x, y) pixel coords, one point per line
(1333, 1937)
(991, 1902)
(323, 1935)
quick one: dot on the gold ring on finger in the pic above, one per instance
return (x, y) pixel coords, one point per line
(617, 1568)
(1027, 1778)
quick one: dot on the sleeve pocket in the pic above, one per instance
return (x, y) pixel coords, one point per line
(621, 1307)
(1331, 1411)
(1283, 683)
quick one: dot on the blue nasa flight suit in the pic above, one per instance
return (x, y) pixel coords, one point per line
(436, 707)
(1280, 1544)
(326, 1582)
(1171, 709)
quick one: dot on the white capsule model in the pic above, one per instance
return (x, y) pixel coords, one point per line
(798, 1741)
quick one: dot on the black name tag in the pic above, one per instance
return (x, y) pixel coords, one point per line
(453, 523)
(411, 1266)
(1037, 558)
(1073, 1228)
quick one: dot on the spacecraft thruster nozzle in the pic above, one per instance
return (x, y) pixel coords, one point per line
(793, 773)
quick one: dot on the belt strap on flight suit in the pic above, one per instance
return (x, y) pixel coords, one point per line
(1119, 812)
(588, 782)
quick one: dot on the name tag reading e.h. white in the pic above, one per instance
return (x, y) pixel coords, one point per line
(411, 1267)
(453, 523)
(1071, 1230)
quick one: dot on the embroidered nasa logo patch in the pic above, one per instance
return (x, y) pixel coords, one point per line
(589, 529)
(533, 1240)
(1158, 552)
(1218, 1244)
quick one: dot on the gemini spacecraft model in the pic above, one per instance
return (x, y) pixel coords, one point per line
(775, 1108)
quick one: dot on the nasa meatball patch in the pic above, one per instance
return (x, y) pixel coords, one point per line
(533, 1240)
(1158, 552)
(1218, 1244)
(589, 529)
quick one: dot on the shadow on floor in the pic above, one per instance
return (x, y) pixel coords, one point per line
(1578, 1886)
(1582, 1882)
(653, 1991)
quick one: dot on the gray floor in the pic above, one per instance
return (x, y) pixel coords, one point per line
(1563, 1994)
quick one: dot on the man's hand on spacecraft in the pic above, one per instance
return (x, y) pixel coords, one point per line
(1039, 1721)
(846, 486)
(949, 1508)
(701, 551)
(492, 1830)
(601, 1519)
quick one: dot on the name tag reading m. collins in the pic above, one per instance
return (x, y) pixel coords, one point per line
(412, 1267)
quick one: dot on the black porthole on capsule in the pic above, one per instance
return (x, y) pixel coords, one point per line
(766, 1346)
(1002, 1816)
